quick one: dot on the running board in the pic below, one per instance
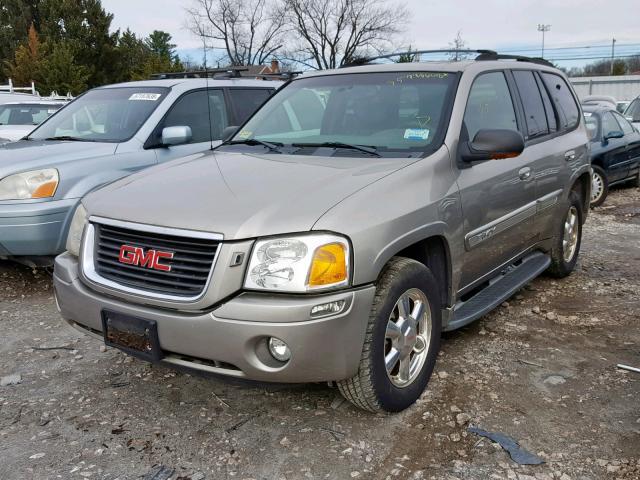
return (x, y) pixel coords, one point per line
(500, 289)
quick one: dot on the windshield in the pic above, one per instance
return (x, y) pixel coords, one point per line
(26, 114)
(399, 111)
(103, 115)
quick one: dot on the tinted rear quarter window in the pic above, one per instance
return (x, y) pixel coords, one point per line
(532, 102)
(563, 99)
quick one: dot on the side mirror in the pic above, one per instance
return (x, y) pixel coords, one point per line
(176, 136)
(229, 132)
(493, 144)
(614, 134)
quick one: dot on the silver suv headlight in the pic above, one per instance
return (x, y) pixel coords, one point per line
(299, 263)
(74, 238)
(34, 184)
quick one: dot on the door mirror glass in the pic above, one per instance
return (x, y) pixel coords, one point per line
(494, 144)
(614, 134)
(179, 135)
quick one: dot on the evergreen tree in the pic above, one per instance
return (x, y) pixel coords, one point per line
(27, 63)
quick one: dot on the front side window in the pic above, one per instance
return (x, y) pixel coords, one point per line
(563, 99)
(192, 111)
(609, 124)
(627, 128)
(532, 102)
(103, 115)
(490, 105)
(592, 123)
(399, 111)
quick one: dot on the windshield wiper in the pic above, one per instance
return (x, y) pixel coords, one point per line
(254, 141)
(70, 138)
(351, 146)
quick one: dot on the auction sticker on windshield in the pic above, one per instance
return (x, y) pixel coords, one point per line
(416, 134)
(152, 97)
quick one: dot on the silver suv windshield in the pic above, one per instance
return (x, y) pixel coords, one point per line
(398, 111)
(102, 115)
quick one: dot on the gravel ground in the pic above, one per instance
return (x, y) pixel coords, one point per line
(540, 369)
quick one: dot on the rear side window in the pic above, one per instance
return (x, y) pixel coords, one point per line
(552, 121)
(563, 99)
(245, 101)
(490, 105)
(532, 102)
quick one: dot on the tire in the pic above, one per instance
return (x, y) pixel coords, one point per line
(599, 186)
(564, 262)
(373, 388)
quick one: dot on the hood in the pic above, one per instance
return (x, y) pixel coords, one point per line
(15, 132)
(27, 155)
(239, 195)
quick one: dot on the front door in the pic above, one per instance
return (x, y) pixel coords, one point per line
(498, 196)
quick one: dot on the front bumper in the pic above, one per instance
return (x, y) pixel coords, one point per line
(34, 228)
(231, 339)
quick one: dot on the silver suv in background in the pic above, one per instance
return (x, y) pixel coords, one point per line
(103, 135)
(358, 214)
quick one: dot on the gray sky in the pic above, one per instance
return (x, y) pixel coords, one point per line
(499, 24)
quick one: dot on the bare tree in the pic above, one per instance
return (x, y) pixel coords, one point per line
(250, 31)
(332, 33)
(458, 44)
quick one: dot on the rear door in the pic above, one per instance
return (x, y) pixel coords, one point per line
(561, 152)
(498, 196)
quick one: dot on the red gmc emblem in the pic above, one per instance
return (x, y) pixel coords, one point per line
(147, 259)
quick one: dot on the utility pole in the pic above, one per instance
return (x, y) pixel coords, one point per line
(613, 50)
(543, 28)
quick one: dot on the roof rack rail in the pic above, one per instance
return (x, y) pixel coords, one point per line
(230, 72)
(482, 55)
(489, 55)
(281, 75)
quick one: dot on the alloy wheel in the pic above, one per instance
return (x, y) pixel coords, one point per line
(570, 237)
(407, 338)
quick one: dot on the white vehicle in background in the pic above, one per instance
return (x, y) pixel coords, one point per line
(599, 100)
(18, 119)
(633, 113)
(621, 105)
(11, 93)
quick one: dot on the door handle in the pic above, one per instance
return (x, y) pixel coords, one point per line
(570, 155)
(524, 173)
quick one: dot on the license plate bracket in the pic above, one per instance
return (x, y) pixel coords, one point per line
(133, 335)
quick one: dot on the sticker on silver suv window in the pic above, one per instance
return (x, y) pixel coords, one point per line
(416, 134)
(150, 97)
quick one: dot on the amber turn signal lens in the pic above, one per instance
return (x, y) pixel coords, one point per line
(329, 265)
(45, 190)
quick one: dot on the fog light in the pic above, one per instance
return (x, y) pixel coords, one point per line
(330, 308)
(279, 350)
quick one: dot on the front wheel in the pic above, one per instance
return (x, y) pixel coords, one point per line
(564, 254)
(599, 186)
(402, 340)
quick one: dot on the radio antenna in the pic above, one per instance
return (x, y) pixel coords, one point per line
(206, 76)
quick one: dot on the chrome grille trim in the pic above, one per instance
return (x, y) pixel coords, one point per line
(89, 248)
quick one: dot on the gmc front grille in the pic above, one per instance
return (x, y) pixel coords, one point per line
(191, 264)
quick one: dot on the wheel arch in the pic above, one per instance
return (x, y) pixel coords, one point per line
(434, 253)
(582, 186)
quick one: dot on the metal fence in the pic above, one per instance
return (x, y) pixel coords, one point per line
(621, 87)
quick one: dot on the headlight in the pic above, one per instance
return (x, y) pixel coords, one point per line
(34, 184)
(299, 263)
(75, 230)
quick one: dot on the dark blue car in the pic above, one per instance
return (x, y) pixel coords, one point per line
(615, 150)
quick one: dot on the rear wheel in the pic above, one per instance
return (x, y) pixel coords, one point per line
(564, 254)
(599, 186)
(402, 340)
